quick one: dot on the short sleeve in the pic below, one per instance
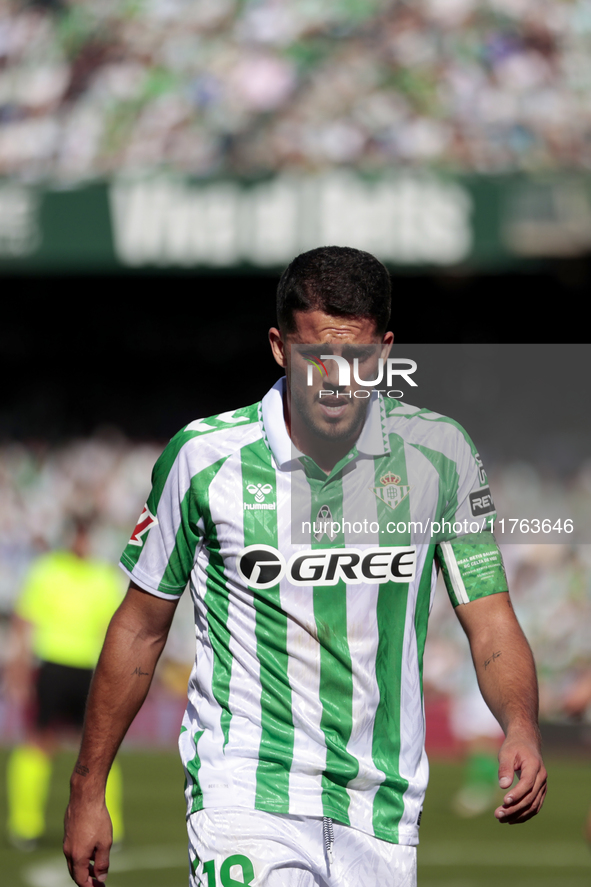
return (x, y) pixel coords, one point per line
(472, 567)
(161, 551)
(467, 552)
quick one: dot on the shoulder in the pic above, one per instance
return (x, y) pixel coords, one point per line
(223, 422)
(210, 439)
(41, 579)
(45, 564)
(420, 424)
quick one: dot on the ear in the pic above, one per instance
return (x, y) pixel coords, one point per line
(387, 340)
(278, 347)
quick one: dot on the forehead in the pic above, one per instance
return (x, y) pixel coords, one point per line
(317, 327)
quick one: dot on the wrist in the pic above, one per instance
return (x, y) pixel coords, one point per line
(524, 731)
(86, 783)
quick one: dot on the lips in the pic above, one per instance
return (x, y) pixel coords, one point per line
(333, 407)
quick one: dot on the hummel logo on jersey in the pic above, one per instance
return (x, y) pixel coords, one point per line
(323, 523)
(262, 566)
(146, 520)
(392, 492)
(259, 491)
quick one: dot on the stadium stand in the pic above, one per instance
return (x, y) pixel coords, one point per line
(244, 88)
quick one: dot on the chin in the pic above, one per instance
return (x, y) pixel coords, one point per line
(336, 431)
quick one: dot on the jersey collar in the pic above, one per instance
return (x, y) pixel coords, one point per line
(373, 440)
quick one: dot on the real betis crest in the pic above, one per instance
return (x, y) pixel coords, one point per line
(392, 492)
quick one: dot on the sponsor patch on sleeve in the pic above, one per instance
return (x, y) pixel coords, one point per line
(481, 501)
(146, 521)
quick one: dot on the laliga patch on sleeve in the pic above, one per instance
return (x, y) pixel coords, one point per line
(481, 501)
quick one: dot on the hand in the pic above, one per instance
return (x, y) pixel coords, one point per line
(88, 836)
(524, 800)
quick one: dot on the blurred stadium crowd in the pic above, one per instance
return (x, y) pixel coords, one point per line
(246, 87)
(41, 486)
(108, 476)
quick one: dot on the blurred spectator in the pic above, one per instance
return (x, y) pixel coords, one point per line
(222, 86)
(40, 485)
(480, 736)
(577, 702)
(578, 696)
(58, 626)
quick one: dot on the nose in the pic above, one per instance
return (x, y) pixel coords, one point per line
(338, 369)
(332, 379)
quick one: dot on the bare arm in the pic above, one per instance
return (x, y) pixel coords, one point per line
(507, 679)
(135, 639)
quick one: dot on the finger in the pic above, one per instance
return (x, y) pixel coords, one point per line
(529, 785)
(66, 852)
(523, 813)
(525, 810)
(507, 768)
(531, 777)
(527, 772)
(525, 783)
(101, 863)
(516, 808)
(70, 866)
(81, 871)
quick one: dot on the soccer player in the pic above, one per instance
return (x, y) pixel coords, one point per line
(310, 527)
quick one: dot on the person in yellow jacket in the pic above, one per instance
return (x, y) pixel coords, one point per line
(58, 627)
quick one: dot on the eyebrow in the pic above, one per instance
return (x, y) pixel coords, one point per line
(350, 352)
(314, 350)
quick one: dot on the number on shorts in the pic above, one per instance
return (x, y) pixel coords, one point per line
(225, 876)
(209, 870)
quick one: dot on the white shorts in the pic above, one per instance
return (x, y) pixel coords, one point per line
(230, 846)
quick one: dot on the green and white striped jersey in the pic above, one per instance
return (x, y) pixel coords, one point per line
(306, 693)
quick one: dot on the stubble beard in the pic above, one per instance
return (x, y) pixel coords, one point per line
(336, 431)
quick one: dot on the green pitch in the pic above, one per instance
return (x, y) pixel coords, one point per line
(546, 852)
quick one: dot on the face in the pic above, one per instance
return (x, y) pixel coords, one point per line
(334, 417)
(81, 543)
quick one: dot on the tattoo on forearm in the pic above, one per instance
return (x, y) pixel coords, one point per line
(81, 770)
(494, 656)
(138, 671)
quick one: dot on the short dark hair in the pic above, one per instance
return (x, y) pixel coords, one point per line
(339, 280)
